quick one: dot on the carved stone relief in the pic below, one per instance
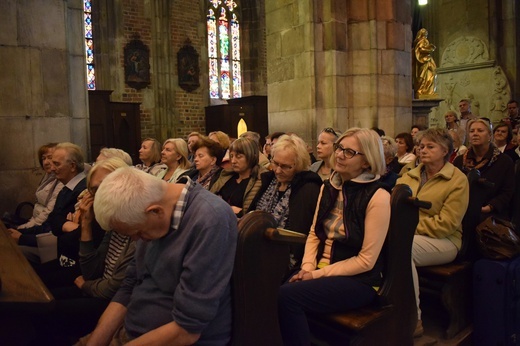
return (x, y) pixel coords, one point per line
(467, 73)
(465, 50)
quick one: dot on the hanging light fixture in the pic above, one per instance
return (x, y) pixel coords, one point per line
(423, 2)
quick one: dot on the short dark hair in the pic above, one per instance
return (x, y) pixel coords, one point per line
(379, 131)
(43, 149)
(276, 135)
(509, 131)
(408, 140)
(214, 148)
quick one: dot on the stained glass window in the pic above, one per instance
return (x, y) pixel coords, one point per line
(225, 79)
(89, 45)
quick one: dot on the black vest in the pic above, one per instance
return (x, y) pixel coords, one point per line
(356, 197)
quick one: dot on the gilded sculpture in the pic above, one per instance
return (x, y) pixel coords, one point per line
(424, 67)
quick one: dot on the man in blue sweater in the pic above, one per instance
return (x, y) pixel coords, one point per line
(177, 288)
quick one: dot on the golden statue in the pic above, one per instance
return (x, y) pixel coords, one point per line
(424, 67)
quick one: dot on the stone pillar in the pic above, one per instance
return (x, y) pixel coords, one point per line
(44, 97)
(338, 63)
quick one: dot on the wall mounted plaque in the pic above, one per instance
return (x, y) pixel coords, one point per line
(188, 67)
(137, 64)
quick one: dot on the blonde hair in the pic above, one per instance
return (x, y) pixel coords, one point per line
(156, 149)
(110, 164)
(114, 152)
(182, 149)
(295, 144)
(222, 139)
(370, 145)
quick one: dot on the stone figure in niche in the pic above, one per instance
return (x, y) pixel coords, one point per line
(475, 105)
(450, 86)
(498, 107)
(424, 67)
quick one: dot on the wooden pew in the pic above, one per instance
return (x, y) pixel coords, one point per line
(21, 292)
(515, 215)
(392, 320)
(451, 283)
(260, 265)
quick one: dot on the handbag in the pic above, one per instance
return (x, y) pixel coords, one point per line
(497, 239)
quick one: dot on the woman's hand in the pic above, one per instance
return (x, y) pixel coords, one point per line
(236, 210)
(486, 209)
(15, 234)
(302, 275)
(86, 208)
(80, 281)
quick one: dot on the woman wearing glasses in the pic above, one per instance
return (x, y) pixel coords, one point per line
(289, 191)
(342, 259)
(325, 150)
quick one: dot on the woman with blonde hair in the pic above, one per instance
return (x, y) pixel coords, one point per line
(342, 262)
(452, 124)
(150, 156)
(494, 166)
(325, 151)
(289, 191)
(174, 155)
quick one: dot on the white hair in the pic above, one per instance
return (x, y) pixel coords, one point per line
(124, 196)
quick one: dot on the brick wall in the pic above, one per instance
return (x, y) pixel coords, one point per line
(135, 21)
(188, 20)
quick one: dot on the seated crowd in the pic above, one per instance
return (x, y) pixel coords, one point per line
(149, 252)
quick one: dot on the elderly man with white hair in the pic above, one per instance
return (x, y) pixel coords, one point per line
(177, 288)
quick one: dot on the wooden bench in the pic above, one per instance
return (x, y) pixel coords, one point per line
(260, 265)
(392, 320)
(451, 283)
(21, 292)
(515, 217)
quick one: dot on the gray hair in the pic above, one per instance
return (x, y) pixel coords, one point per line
(74, 154)
(124, 196)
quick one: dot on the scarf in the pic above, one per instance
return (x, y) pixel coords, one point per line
(205, 180)
(272, 203)
(469, 161)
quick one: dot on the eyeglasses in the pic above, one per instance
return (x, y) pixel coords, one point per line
(283, 167)
(331, 131)
(347, 152)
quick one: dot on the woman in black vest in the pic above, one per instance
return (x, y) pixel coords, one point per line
(342, 265)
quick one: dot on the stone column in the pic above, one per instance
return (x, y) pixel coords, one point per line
(43, 84)
(338, 63)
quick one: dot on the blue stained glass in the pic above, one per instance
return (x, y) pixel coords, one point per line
(89, 46)
(88, 25)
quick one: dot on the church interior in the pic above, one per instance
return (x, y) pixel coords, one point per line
(109, 73)
(304, 66)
